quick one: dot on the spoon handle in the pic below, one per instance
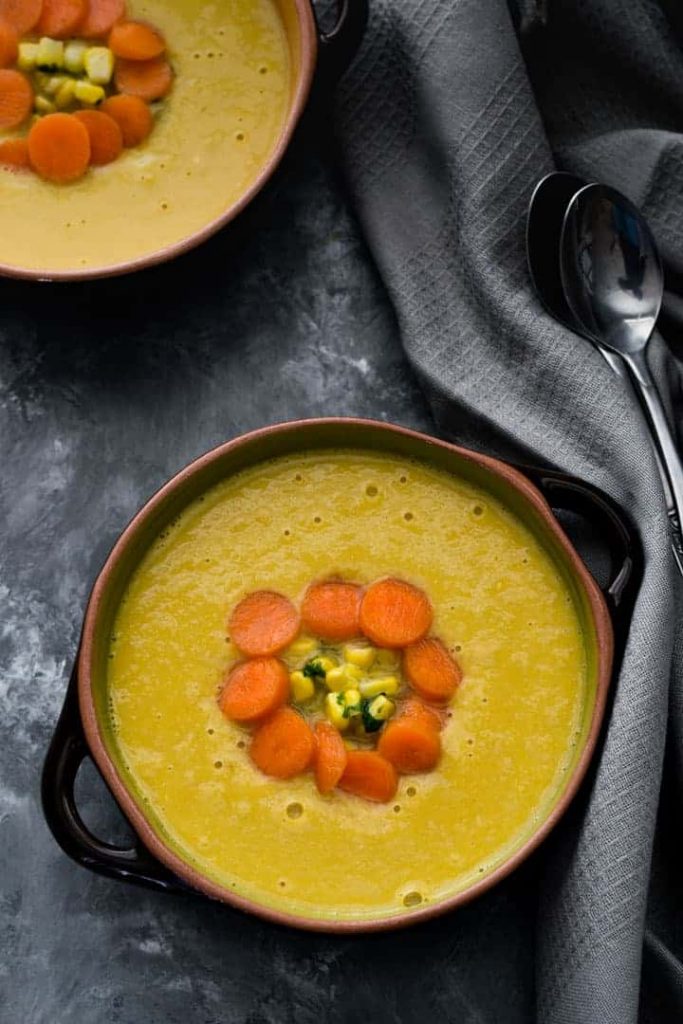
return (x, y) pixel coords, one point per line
(670, 459)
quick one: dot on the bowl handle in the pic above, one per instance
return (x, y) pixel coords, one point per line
(570, 494)
(338, 47)
(65, 754)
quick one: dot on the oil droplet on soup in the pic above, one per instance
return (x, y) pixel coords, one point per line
(522, 702)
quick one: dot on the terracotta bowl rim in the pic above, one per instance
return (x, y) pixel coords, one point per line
(309, 55)
(193, 877)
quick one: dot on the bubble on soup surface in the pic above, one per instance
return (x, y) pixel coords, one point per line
(412, 899)
(294, 810)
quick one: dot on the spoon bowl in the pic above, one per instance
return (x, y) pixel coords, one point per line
(610, 269)
(613, 282)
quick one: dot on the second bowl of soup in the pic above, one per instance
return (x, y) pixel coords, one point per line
(205, 99)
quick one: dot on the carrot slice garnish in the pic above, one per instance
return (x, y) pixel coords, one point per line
(369, 775)
(14, 153)
(59, 19)
(59, 148)
(283, 746)
(22, 15)
(100, 17)
(330, 757)
(263, 623)
(431, 671)
(9, 44)
(132, 115)
(419, 713)
(133, 40)
(106, 141)
(148, 79)
(331, 610)
(254, 689)
(394, 613)
(410, 746)
(16, 98)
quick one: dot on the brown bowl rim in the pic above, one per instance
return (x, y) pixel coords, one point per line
(309, 56)
(193, 877)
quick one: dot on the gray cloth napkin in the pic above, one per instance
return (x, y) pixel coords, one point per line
(453, 111)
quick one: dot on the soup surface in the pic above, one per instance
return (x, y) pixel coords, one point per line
(511, 733)
(215, 131)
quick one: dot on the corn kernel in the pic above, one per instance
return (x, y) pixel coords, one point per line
(336, 679)
(326, 663)
(28, 56)
(65, 95)
(353, 673)
(302, 646)
(42, 105)
(303, 688)
(381, 708)
(99, 64)
(381, 684)
(361, 656)
(351, 700)
(53, 84)
(50, 55)
(88, 94)
(74, 56)
(334, 709)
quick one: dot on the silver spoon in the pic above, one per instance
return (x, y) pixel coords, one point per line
(545, 217)
(613, 282)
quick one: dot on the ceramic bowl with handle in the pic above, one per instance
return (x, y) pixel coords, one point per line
(84, 731)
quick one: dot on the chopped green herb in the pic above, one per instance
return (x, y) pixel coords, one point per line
(370, 724)
(313, 669)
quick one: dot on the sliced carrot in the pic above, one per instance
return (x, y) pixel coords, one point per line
(100, 17)
(133, 40)
(9, 44)
(431, 671)
(330, 757)
(419, 713)
(284, 745)
(106, 141)
(14, 153)
(148, 79)
(369, 775)
(394, 613)
(410, 746)
(330, 610)
(264, 622)
(254, 689)
(16, 98)
(133, 117)
(22, 15)
(59, 148)
(59, 18)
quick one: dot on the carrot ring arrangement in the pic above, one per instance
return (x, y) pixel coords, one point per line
(80, 76)
(359, 699)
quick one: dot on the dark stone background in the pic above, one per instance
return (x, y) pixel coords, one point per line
(106, 389)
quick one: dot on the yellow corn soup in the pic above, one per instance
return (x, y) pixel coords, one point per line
(213, 134)
(509, 741)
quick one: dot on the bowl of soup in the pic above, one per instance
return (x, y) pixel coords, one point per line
(342, 675)
(205, 100)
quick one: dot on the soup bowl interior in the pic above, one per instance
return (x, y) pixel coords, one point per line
(162, 200)
(505, 484)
